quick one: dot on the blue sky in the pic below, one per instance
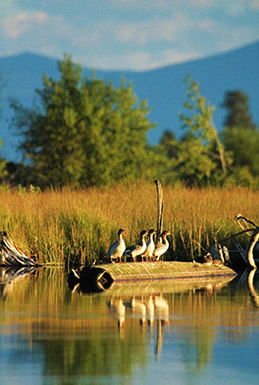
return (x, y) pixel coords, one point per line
(127, 34)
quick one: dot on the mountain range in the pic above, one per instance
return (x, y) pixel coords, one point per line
(163, 88)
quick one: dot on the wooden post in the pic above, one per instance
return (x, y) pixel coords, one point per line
(160, 209)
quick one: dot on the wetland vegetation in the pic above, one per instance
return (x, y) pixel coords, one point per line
(68, 225)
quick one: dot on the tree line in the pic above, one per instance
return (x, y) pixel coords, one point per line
(84, 132)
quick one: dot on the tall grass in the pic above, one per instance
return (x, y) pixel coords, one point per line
(68, 225)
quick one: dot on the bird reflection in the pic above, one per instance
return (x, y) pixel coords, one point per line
(118, 309)
(162, 315)
(161, 308)
(138, 308)
(150, 310)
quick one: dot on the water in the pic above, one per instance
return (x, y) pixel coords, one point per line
(175, 332)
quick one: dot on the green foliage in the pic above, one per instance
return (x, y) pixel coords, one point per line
(169, 144)
(2, 164)
(244, 146)
(199, 124)
(195, 166)
(201, 153)
(241, 139)
(238, 115)
(84, 132)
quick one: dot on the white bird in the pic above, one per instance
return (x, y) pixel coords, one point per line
(161, 247)
(135, 250)
(150, 246)
(117, 249)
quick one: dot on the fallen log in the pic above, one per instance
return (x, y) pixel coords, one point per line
(10, 255)
(104, 275)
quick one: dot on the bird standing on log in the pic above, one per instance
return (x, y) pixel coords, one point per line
(150, 246)
(117, 249)
(135, 250)
(161, 247)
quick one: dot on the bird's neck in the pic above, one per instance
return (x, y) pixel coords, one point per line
(143, 242)
(121, 238)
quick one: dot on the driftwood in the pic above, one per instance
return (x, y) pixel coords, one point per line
(249, 255)
(10, 255)
(246, 254)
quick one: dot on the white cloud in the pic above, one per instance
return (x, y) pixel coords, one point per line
(173, 56)
(138, 34)
(146, 4)
(222, 35)
(139, 59)
(145, 31)
(14, 26)
(255, 4)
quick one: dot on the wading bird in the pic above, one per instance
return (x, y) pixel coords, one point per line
(161, 247)
(117, 249)
(135, 250)
(150, 246)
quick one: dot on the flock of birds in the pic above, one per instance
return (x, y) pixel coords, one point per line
(149, 250)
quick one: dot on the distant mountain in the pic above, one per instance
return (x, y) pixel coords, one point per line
(164, 87)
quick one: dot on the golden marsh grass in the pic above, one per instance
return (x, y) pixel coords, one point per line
(70, 225)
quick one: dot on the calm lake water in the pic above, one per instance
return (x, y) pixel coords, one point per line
(174, 332)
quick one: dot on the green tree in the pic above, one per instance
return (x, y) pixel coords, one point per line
(241, 139)
(244, 147)
(237, 107)
(169, 144)
(201, 154)
(83, 132)
(164, 159)
(2, 164)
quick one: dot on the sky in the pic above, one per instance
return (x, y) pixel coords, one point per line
(127, 34)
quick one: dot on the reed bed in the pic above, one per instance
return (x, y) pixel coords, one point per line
(78, 226)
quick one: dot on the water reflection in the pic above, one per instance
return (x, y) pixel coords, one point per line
(118, 309)
(128, 334)
(9, 276)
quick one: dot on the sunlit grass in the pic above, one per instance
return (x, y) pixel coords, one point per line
(69, 225)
